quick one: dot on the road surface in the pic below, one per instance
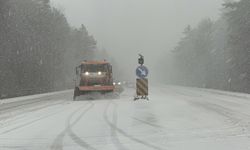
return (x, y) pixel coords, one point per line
(175, 118)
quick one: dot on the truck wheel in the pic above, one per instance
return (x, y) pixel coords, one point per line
(76, 93)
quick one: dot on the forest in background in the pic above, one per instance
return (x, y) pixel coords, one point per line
(214, 54)
(39, 49)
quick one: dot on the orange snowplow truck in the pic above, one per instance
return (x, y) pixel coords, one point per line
(93, 76)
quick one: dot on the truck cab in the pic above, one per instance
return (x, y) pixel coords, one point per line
(93, 76)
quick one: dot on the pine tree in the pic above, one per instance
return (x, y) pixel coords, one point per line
(35, 42)
(239, 44)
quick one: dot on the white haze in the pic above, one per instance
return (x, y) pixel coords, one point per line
(128, 27)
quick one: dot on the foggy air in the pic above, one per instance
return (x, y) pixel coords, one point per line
(124, 74)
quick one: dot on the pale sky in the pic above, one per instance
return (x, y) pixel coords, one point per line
(128, 27)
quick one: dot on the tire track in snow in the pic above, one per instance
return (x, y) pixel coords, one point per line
(18, 104)
(7, 123)
(115, 139)
(73, 136)
(31, 122)
(14, 111)
(148, 123)
(239, 120)
(58, 142)
(117, 129)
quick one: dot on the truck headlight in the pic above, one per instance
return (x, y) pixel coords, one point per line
(86, 73)
(119, 83)
(99, 73)
(114, 83)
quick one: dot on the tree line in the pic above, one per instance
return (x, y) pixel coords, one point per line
(215, 54)
(38, 48)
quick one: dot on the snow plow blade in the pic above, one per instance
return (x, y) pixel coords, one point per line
(96, 88)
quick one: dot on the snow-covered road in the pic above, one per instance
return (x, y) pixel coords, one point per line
(175, 118)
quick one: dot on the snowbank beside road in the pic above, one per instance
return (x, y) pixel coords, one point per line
(24, 98)
(213, 91)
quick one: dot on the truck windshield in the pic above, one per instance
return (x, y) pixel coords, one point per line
(94, 68)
